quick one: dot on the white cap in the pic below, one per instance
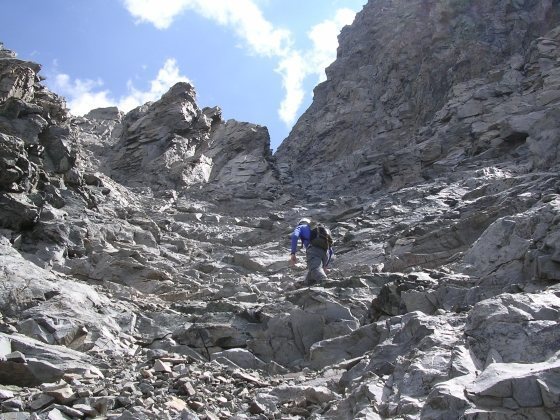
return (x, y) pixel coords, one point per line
(304, 221)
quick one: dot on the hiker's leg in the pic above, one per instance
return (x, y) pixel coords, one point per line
(312, 264)
(315, 273)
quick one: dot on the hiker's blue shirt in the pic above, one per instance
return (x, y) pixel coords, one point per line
(303, 232)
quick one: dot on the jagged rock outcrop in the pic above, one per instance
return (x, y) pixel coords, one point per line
(193, 147)
(144, 268)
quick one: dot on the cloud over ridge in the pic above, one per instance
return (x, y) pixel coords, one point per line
(257, 34)
(84, 95)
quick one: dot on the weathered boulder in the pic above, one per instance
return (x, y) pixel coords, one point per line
(60, 149)
(289, 331)
(518, 249)
(242, 160)
(42, 362)
(17, 173)
(531, 389)
(520, 328)
(17, 212)
(56, 310)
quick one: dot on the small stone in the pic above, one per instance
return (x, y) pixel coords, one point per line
(146, 388)
(124, 401)
(72, 378)
(249, 378)
(40, 401)
(176, 404)
(69, 411)
(225, 414)
(101, 404)
(189, 389)
(256, 408)
(62, 393)
(211, 416)
(86, 409)
(56, 414)
(243, 392)
(14, 404)
(128, 387)
(16, 357)
(160, 384)
(6, 394)
(173, 360)
(196, 405)
(160, 366)
(84, 393)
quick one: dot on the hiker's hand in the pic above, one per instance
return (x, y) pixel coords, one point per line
(293, 259)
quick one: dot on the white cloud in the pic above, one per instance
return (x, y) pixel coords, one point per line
(325, 40)
(167, 76)
(80, 94)
(161, 15)
(243, 16)
(85, 95)
(324, 37)
(293, 70)
(260, 37)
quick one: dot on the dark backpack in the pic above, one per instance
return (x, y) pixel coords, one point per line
(321, 237)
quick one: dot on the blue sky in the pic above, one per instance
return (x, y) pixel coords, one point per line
(256, 59)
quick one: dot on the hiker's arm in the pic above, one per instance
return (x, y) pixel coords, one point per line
(293, 248)
(293, 259)
(295, 238)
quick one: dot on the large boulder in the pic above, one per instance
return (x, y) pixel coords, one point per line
(517, 388)
(520, 328)
(519, 249)
(37, 363)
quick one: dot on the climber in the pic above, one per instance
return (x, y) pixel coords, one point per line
(317, 242)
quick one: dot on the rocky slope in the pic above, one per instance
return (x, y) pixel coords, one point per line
(144, 257)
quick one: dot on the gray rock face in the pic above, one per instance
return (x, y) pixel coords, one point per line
(144, 267)
(421, 86)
